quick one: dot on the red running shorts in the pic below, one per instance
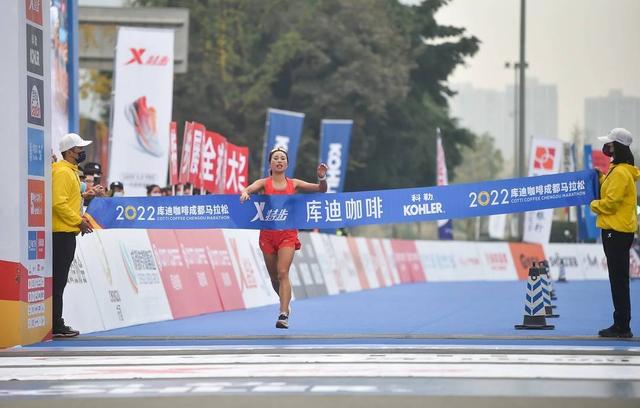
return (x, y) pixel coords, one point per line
(272, 240)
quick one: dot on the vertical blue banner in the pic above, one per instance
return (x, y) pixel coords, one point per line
(445, 227)
(586, 219)
(335, 136)
(283, 129)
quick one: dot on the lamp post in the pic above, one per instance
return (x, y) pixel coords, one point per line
(517, 160)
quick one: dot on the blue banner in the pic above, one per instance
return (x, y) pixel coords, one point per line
(283, 129)
(587, 229)
(335, 136)
(309, 211)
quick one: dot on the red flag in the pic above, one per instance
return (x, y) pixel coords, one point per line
(211, 161)
(173, 153)
(237, 169)
(196, 148)
(185, 162)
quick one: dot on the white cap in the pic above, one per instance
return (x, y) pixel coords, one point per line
(71, 140)
(620, 135)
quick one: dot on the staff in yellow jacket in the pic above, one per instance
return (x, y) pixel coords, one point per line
(617, 217)
(67, 222)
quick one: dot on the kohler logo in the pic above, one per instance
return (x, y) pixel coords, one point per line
(334, 164)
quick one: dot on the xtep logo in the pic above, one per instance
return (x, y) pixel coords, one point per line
(138, 58)
(260, 211)
(545, 157)
(274, 214)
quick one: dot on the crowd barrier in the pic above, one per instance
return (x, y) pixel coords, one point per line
(124, 277)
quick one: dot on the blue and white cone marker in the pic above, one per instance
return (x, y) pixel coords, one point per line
(534, 313)
(546, 294)
(547, 271)
(562, 274)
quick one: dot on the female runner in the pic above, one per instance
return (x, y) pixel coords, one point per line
(279, 246)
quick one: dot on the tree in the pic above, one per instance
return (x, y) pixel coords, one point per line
(379, 62)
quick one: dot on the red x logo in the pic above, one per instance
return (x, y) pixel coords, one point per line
(137, 56)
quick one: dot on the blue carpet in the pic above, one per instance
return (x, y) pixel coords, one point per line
(436, 309)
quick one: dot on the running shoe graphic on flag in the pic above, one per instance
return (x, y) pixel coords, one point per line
(143, 119)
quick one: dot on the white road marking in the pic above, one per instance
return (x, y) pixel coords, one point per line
(379, 365)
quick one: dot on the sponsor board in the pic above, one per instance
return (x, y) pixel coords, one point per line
(36, 203)
(131, 252)
(371, 269)
(35, 101)
(197, 262)
(35, 152)
(220, 260)
(36, 245)
(255, 284)
(387, 251)
(34, 10)
(525, 256)
(407, 260)
(81, 310)
(380, 265)
(344, 259)
(358, 263)
(498, 261)
(330, 266)
(584, 261)
(307, 260)
(186, 294)
(443, 261)
(34, 50)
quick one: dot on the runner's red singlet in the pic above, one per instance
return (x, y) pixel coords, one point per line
(272, 240)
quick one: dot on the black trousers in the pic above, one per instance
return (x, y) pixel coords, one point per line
(64, 248)
(616, 248)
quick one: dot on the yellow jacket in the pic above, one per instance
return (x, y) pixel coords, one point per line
(67, 201)
(616, 208)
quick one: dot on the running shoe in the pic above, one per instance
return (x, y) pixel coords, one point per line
(283, 321)
(64, 331)
(616, 332)
(143, 119)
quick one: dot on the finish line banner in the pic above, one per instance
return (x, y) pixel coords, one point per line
(309, 211)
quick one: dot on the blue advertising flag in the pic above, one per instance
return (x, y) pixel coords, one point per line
(335, 136)
(445, 227)
(284, 129)
(338, 210)
(587, 229)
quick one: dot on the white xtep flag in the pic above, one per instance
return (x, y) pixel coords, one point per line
(545, 158)
(141, 108)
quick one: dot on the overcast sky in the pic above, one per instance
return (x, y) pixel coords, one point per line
(585, 47)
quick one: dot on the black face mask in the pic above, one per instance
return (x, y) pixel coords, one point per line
(82, 156)
(607, 150)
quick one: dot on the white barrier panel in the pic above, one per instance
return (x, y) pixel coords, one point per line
(380, 265)
(195, 256)
(128, 291)
(389, 261)
(80, 307)
(298, 291)
(252, 275)
(345, 263)
(369, 268)
(308, 262)
(583, 261)
(115, 282)
(329, 265)
(443, 261)
(497, 261)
